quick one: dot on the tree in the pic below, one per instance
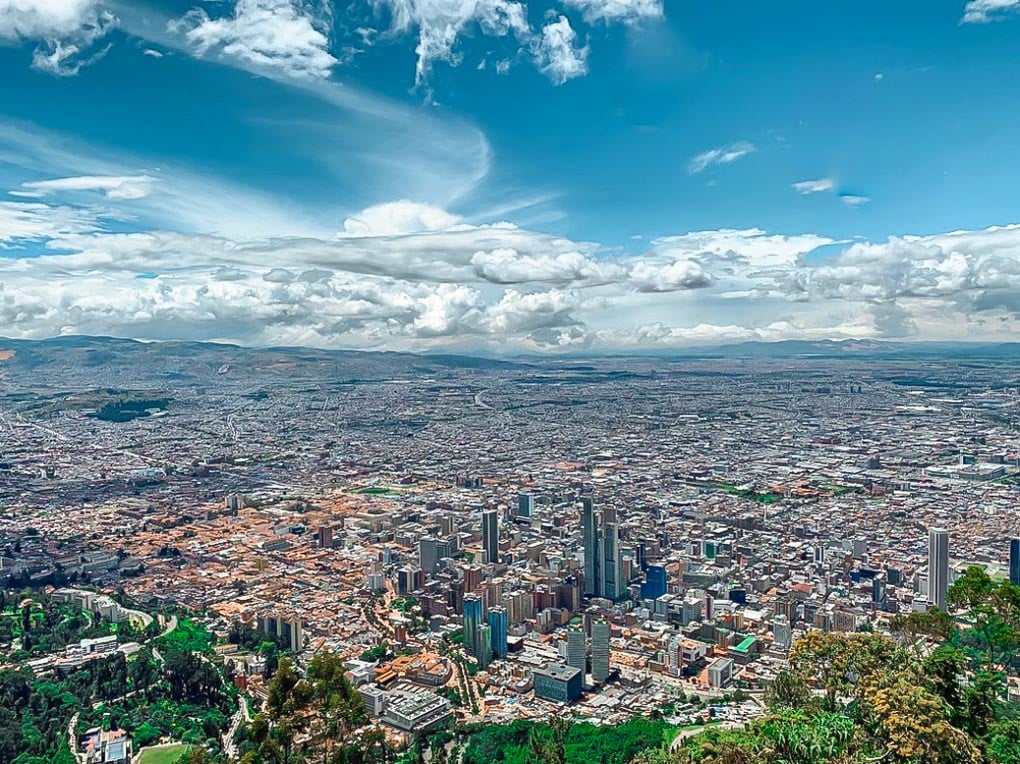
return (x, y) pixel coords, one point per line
(912, 722)
(198, 754)
(788, 690)
(994, 610)
(836, 662)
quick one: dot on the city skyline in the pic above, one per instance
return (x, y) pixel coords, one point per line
(500, 177)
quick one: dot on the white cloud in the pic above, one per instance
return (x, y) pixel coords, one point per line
(556, 54)
(814, 186)
(152, 53)
(672, 277)
(750, 248)
(66, 31)
(721, 155)
(398, 218)
(440, 23)
(854, 200)
(964, 265)
(113, 187)
(984, 11)
(274, 34)
(34, 221)
(615, 11)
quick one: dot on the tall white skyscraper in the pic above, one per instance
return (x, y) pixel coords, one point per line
(600, 650)
(577, 652)
(938, 567)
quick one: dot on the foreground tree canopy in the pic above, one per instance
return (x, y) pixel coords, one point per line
(933, 694)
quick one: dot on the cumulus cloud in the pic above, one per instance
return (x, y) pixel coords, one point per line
(115, 187)
(557, 55)
(411, 276)
(509, 266)
(956, 266)
(814, 186)
(286, 35)
(66, 31)
(397, 218)
(984, 11)
(672, 277)
(721, 155)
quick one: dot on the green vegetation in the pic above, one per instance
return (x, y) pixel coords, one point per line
(525, 742)
(404, 604)
(188, 637)
(748, 493)
(33, 624)
(311, 719)
(174, 754)
(177, 694)
(374, 653)
(856, 698)
(126, 409)
(375, 490)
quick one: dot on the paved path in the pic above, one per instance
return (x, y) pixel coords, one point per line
(688, 734)
(72, 739)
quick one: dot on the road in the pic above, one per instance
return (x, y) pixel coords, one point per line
(241, 716)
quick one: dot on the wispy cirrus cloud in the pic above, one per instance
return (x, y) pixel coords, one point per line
(985, 11)
(854, 200)
(616, 11)
(111, 186)
(719, 156)
(814, 186)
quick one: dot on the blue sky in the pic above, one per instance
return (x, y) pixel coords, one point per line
(498, 175)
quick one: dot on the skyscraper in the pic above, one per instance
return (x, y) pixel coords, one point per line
(1014, 561)
(472, 619)
(428, 554)
(590, 540)
(600, 650)
(655, 583)
(577, 652)
(525, 505)
(490, 536)
(612, 572)
(938, 567)
(498, 630)
(483, 645)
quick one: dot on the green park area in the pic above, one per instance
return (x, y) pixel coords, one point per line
(169, 754)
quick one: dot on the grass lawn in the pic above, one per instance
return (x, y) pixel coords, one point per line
(168, 755)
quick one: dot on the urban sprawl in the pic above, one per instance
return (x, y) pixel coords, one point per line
(613, 537)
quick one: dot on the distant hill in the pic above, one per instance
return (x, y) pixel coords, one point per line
(107, 361)
(110, 359)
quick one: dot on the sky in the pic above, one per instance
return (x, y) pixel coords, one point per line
(504, 176)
